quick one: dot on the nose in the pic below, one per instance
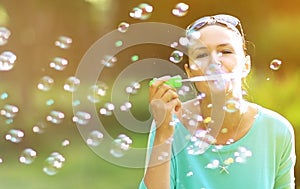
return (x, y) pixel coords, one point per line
(215, 58)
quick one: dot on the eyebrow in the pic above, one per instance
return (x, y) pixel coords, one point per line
(219, 45)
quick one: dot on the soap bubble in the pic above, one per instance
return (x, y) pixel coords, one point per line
(163, 156)
(96, 92)
(9, 111)
(39, 128)
(59, 63)
(134, 58)
(133, 88)
(126, 106)
(231, 105)
(180, 9)
(81, 117)
(200, 142)
(242, 155)
(65, 142)
(120, 146)
(53, 163)
(7, 60)
(109, 61)
(142, 12)
(123, 27)
(71, 84)
(49, 102)
(28, 156)
(275, 64)
(63, 42)
(14, 135)
(176, 56)
(55, 117)
(118, 43)
(94, 138)
(45, 83)
(4, 35)
(107, 109)
(4, 96)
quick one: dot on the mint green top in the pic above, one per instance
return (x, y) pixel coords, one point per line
(263, 159)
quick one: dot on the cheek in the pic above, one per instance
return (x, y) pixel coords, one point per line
(232, 63)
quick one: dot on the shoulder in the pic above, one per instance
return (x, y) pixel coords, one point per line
(273, 121)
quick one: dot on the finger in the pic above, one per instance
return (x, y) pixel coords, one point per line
(157, 84)
(169, 95)
(175, 104)
(163, 90)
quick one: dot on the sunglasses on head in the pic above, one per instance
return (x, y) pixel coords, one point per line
(223, 19)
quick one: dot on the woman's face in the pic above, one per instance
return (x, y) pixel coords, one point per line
(218, 50)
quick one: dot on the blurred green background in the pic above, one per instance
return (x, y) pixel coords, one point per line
(273, 27)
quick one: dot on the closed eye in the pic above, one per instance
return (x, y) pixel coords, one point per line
(201, 55)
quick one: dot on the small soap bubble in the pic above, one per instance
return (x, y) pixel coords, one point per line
(53, 163)
(65, 143)
(7, 60)
(63, 42)
(107, 110)
(134, 58)
(59, 63)
(123, 27)
(184, 90)
(15, 135)
(229, 161)
(176, 56)
(163, 156)
(174, 44)
(184, 41)
(45, 83)
(1, 160)
(94, 138)
(190, 173)
(76, 103)
(9, 121)
(81, 118)
(50, 102)
(231, 106)
(275, 64)
(109, 61)
(71, 84)
(120, 146)
(55, 117)
(4, 35)
(133, 88)
(126, 106)
(224, 130)
(28, 156)
(39, 128)
(213, 165)
(9, 111)
(242, 155)
(195, 35)
(118, 43)
(96, 92)
(4, 96)
(200, 142)
(142, 12)
(230, 141)
(181, 9)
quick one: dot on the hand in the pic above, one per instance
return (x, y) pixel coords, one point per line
(163, 102)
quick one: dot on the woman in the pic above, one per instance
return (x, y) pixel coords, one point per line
(217, 140)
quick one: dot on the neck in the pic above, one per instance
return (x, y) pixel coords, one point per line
(226, 123)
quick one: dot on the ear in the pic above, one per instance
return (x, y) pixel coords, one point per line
(247, 65)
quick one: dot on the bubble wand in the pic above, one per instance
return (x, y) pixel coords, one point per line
(176, 81)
